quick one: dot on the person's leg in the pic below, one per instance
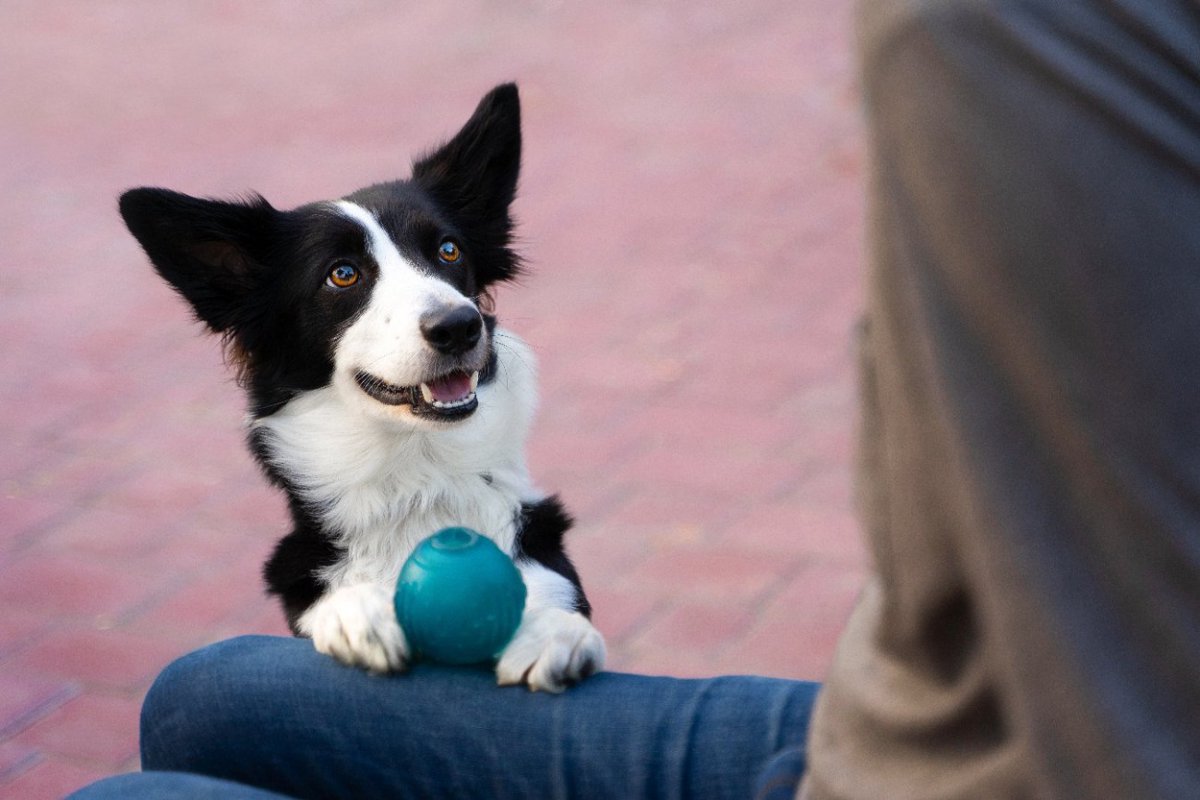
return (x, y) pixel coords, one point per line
(169, 786)
(782, 775)
(274, 713)
(1031, 408)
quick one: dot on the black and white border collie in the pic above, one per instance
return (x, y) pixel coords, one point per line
(384, 399)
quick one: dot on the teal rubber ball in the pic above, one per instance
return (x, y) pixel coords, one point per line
(459, 598)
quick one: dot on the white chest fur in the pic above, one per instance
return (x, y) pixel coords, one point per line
(380, 483)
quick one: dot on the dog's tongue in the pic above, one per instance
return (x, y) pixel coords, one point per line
(451, 388)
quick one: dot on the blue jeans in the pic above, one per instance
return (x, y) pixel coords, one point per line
(275, 715)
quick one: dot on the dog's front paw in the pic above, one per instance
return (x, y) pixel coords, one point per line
(552, 650)
(357, 626)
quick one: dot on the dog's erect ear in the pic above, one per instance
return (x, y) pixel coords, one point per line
(475, 173)
(209, 250)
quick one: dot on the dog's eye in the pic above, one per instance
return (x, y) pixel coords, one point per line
(449, 252)
(342, 276)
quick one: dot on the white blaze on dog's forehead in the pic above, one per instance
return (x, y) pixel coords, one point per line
(380, 244)
(393, 266)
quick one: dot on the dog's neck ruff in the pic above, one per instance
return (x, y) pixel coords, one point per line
(379, 485)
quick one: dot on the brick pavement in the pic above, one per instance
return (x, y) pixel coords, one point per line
(691, 210)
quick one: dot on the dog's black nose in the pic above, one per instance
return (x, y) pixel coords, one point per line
(453, 330)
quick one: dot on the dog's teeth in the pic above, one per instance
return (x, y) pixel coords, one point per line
(455, 404)
(474, 381)
(427, 394)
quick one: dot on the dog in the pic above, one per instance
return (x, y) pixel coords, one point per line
(384, 400)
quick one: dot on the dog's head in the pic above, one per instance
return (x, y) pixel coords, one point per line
(383, 294)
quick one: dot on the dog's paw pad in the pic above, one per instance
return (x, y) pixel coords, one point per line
(357, 626)
(553, 649)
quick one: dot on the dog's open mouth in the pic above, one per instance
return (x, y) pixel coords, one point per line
(449, 397)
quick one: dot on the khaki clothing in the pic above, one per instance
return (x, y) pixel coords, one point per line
(1030, 463)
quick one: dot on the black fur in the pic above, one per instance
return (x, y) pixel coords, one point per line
(292, 571)
(540, 538)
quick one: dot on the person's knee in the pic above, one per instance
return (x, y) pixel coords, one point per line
(949, 31)
(193, 698)
(879, 20)
(901, 43)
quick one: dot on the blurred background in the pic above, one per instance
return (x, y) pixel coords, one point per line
(691, 213)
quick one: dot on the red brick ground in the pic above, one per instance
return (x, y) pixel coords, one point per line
(691, 209)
